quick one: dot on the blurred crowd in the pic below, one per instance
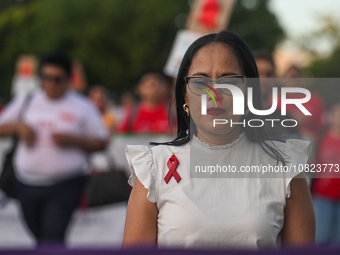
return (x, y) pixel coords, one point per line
(322, 128)
(147, 110)
(143, 110)
(64, 131)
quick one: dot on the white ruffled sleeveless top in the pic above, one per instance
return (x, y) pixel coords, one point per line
(215, 212)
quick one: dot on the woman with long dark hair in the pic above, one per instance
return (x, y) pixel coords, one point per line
(168, 208)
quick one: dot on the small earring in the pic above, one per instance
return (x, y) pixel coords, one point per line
(186, 109)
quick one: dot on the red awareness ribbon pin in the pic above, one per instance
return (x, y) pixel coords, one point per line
(172, 165)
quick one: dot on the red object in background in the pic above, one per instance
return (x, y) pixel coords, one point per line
(84, 203)
(144, 119)
(209, 14)
(26, 70)
(78, 80)
(26, 66)
(310, 124)
(328, 153)
(69, 117)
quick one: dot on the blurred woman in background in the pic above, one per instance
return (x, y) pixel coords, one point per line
(326, 188)
(57, 128)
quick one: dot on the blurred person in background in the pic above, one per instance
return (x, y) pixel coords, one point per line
(309, 126)
(293, 71)
(25, 79)
(325, 189)
(167, 89)
(168, 96)
(127, 100)
(57, 130)
(267, 73)
(78, 79)
(150, 115)
(98, 95)
(266, 68)
(102, 161)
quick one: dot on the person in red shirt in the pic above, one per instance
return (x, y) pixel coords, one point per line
(310, 125)
(151, 114)
(268, 79)
(326, 188)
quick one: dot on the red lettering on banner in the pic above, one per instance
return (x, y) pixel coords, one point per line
(67, 116)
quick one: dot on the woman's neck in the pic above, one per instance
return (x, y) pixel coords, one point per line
(214, 139)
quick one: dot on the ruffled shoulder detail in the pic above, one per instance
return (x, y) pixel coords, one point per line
(141, 163)
(297, 152)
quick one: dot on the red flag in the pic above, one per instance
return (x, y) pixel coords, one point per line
(209, 14)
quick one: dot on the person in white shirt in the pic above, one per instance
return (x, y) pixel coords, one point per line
(57, 129)
(170, 207)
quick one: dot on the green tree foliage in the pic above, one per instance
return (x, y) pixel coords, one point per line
(4, 4)
(255, 24)
(325, 67)
(115, 39)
